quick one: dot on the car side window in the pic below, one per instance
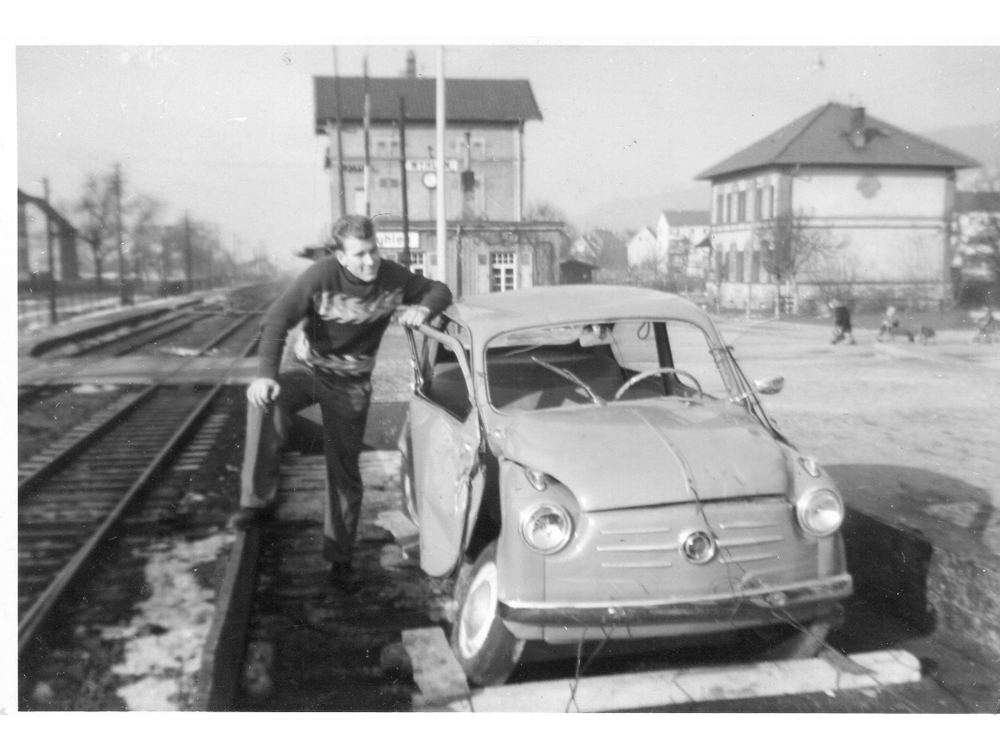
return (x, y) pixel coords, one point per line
(460, 333)
(691, 351)
(444, 382)
(634, 345)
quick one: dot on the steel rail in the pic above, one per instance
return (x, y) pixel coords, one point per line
(244, 319)
(34, 618)
(31, 480)
(140, 337)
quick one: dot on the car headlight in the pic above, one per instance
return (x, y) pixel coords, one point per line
(546, 528)
(820, 512)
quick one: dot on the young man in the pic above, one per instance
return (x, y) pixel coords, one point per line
(346, 302)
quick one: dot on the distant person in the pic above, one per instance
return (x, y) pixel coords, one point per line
(890, 326)
(989, 331)
(841, 322)
(346, 301)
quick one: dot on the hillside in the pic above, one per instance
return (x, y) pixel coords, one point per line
(981, 142)
(633, 211)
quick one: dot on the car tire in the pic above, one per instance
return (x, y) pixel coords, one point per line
(487, 651)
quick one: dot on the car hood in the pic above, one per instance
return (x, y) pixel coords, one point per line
(627, 455)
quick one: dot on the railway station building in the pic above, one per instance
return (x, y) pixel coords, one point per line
(881, 198)
(491, 248)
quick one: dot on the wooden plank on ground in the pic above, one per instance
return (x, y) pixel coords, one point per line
(435, 669)
(674, 687)
(222, 656)
(380, 468)
(396, 523)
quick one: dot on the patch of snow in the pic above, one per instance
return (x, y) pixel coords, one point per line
(166, 637)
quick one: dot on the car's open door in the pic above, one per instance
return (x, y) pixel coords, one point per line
(445, 439)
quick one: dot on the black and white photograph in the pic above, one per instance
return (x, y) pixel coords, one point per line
(441, 373)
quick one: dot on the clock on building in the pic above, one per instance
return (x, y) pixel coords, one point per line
(430, 180)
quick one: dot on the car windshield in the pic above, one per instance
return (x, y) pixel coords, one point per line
(588, 363)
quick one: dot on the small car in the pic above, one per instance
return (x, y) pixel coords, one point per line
(591, 463)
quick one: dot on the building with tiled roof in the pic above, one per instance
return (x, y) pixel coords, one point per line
(467, 101)
(879, 194)
(678, 233)
(490, 246)
(641, 246)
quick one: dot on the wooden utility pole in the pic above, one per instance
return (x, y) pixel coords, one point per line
(341, 194)
(187, 253)
(404, 257)
(53, 312)
(122, 281)
(367, 126)
(441, 223)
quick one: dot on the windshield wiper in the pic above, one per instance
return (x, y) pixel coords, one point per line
(571, 378)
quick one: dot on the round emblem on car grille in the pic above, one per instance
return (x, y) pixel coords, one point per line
(698, 547)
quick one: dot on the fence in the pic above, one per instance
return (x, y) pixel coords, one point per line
(79, 297)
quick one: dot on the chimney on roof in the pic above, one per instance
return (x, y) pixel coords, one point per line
(857, 134)
(411, 64)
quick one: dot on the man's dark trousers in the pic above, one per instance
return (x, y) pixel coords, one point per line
(343, 401)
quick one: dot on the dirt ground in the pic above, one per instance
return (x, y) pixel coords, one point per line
(934, 407)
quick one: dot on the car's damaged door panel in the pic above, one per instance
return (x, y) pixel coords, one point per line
(444, 425)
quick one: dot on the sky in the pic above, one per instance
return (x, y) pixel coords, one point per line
(225, 132)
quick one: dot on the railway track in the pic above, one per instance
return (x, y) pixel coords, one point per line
(51, 407)
(101, 480)
(149, 332)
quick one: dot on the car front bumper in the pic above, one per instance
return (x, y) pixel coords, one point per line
(743, 608)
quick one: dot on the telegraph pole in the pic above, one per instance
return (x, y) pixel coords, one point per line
(367, 126)
(53, 314)
(122, 282)
(404, 257)
(187, 252)
(442, 227)
(341, 196)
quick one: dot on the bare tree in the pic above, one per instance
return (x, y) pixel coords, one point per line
(545, 211)
(97, 219)
(788, 243)
(653, 271)
(988, 236)
(145, 235)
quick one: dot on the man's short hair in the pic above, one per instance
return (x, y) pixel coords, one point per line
(351, 225)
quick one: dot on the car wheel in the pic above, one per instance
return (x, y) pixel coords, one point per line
(487, 651)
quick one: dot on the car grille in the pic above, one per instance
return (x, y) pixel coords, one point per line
(634, 554)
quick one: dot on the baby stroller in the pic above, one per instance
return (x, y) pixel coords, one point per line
(989, 331)
(890, 327)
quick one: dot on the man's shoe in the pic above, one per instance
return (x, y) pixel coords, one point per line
(246, 518)
(343, 579)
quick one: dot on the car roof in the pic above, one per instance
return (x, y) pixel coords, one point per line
(489, 314)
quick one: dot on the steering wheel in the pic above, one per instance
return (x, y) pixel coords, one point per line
(657, 371)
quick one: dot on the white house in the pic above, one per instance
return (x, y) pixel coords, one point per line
(643, 245)
(681, 226)
(880, 194)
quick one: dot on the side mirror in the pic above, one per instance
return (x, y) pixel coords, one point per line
(769, 386)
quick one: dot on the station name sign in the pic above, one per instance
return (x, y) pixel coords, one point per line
(412, 165)
(394, 240)
(430, 165)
